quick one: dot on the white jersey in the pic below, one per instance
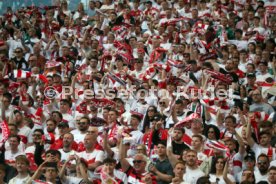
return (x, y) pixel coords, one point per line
(10, 157)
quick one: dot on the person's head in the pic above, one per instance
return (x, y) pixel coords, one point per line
(6, 99)
(63, 128)
(263, 163)
(18, 52)
(37, 135)
(51, 171)
(272, 174)
(18, 117)
(217, 165)
(109, 166)
(179, 169)
(93, 131)
(197, 142)
(191, 158)
(22, 164)
(135, 120)
(105, 112)
(83, 124)
(139, 163)
(112, 115)
(141, 149)
(231, 144)
(89, 141)
(197, 126)
(250, 160)
(161, 149)
(68, 140)
(64, 106)
(212, 132)
(248, 175)
(13, 129)
(53, 155)
(51, 125)
(178, 133)
(251, 78)
(257, 96)
(203, 180)
(263, 65)
(230, 122)
(265, 138)
(151, 111)
(14, 141)
(179, 107)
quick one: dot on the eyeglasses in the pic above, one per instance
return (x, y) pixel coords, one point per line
(137, 161)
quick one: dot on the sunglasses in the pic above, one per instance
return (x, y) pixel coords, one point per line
(137, 161)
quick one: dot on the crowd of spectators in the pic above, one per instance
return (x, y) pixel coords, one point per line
(138, 92)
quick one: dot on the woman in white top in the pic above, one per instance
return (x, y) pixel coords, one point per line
(219, 172)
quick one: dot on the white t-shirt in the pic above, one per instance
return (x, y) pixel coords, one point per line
(214, 178)
(191, 176)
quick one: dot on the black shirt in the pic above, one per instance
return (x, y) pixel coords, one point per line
(178, 148)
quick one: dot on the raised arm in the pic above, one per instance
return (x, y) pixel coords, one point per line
(249, 138)
(122, 157)
(37, 174)
(225, 173)
(106, 146)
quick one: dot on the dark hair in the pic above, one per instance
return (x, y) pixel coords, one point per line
(203, 180)
(109, 160)
(136, 116)
(114, 110)
(8, 96)
(147, 120)
(179, 101)
(39, 130)
(66, 101)
(55, 122)
(15, 136)
(164, 143)
(53, 152)
(213, 169)
(272, 168)
(52, 165)
(216, 130)
(86, 118)
(231, 117)
(59, 114)
(263, 155)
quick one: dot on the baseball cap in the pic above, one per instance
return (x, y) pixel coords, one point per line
(157, 117)
(249, 156)
(250, 75)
